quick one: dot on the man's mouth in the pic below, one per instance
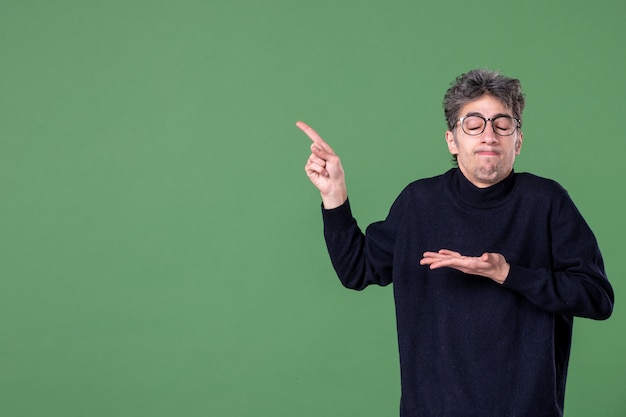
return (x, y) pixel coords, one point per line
(487, 152)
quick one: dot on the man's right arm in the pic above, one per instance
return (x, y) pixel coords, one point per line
(358, 261)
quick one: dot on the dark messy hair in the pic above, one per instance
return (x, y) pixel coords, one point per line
(478, 82)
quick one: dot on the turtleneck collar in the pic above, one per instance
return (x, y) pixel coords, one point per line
(475, 196)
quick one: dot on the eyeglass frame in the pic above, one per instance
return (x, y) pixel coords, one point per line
(518, 125)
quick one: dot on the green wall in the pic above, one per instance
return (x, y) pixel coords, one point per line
(160, 245)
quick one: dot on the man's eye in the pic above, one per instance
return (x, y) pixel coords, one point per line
(473, 125)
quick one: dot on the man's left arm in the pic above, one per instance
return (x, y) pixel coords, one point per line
(575, 284)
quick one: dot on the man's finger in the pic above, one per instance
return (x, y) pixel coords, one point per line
(313, 135)
(435, 255)
(449, 252)
(442, 254)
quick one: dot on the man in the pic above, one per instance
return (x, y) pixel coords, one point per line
(489, 266)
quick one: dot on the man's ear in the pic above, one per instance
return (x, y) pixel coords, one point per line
(518, 145)
(451, 143)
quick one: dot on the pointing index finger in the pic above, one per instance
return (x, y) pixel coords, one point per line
(312, 134)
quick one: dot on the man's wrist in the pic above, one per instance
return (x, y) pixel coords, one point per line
(330, 203)
(334, 200)
(503, 274)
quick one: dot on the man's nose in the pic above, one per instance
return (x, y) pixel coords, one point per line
(489, 136)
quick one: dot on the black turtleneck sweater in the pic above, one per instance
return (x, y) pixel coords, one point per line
(469, 346)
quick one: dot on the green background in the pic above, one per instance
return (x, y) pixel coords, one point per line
(160, 245)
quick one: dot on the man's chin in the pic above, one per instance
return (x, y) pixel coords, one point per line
(489, 176)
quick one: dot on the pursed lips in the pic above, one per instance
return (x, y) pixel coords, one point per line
(487, 152)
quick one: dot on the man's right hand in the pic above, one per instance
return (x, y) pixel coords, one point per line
(324, 170)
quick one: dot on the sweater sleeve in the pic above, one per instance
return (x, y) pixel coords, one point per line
(359, 259)
(575, 283)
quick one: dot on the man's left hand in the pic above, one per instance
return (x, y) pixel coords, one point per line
(490, 265)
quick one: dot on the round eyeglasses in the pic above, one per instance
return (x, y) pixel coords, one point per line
(502, 125)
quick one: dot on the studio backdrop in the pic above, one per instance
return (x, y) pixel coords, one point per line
(161, 250)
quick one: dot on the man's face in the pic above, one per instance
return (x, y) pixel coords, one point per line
(485, 159)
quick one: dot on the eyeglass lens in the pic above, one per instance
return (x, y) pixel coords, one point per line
(502, 125)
